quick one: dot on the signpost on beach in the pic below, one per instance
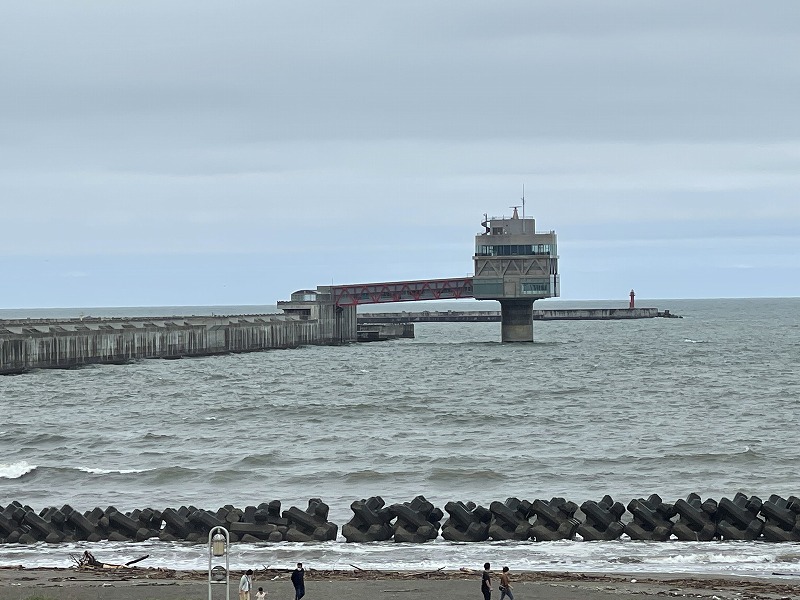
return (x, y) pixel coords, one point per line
(219, 542)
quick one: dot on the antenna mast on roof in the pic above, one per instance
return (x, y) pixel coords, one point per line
(523, 208)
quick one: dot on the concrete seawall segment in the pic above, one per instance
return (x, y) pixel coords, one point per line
(492, 316)
(380, 332)
(597, 314)
(46, 344)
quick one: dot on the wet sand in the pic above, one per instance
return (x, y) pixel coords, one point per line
(17, 583)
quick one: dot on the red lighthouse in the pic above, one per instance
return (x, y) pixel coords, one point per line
(632, 297)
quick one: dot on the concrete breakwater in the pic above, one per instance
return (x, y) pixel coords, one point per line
(495, 316)
(21, 524)
(742, 517)
(28, 344)
(600, 314)
(307, 319)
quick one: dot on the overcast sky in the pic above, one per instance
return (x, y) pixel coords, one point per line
(194, 152)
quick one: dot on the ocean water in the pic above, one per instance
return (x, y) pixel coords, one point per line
(708, 404)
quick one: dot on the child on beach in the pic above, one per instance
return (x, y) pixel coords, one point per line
(261, 594)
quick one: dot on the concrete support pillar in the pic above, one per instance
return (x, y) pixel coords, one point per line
(517, 320)
(345, 325)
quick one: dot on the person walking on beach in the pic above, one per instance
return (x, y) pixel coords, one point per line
(298, 581)
(262, 595)
(486, 582)
(505, 585)
(245, 583)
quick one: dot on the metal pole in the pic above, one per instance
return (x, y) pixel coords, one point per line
(209, 563)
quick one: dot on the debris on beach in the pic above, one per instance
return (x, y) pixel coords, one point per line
(88, 561)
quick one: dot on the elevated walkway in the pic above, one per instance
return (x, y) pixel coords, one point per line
(397, 291)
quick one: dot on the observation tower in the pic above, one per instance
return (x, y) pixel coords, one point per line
(515, 265)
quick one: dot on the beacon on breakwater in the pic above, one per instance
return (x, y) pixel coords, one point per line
(515, 265)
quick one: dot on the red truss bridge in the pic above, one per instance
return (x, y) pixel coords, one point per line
(401, 291)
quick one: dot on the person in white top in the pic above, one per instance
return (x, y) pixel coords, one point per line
(245, 583)
(261, 594)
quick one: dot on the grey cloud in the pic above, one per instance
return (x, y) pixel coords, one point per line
(324, 135)
(576, 70)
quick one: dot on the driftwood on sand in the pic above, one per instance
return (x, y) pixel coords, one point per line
(88, 561)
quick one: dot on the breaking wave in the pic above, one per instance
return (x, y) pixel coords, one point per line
(15, 470)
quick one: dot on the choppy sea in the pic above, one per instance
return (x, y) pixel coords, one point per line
(709, 404)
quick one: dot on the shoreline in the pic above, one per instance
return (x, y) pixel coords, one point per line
(20, 583)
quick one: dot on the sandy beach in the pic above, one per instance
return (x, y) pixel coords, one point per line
(18, 583)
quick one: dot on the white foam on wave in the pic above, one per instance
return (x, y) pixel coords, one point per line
(717, 558)
(15, 470)
(565, 556)
(96, 471)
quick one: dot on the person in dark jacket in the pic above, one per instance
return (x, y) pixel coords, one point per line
(486, 582)
(298, 582)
